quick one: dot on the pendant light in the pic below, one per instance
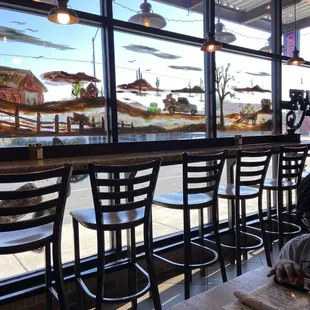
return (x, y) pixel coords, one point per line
(295, 60)
(268, 47)
(210, 45)
(221, 34)
(147, 18)
(62, 14)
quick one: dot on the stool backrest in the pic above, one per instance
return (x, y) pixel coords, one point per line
(202, 174)
(251, 169)
(34, 204)
(123, 187)
(291, 163)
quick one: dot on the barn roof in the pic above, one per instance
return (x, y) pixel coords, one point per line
(12, 77)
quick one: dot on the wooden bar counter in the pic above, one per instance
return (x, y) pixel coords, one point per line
(168, 157)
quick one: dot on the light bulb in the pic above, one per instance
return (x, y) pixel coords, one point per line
(63, 18)
(146, 22)
(210, 48)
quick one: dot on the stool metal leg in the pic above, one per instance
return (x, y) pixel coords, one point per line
(63, 303)
(151, 268)
(48, 277)
(132, 274)
(243, 222)
(238, 237)
(269, 220)
(280, 217)
(201, 237)
(100, 268)
(264, 235)
(77, 264)
(187, 245)
(215, 222)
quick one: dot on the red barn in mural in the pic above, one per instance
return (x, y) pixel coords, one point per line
(20, 86)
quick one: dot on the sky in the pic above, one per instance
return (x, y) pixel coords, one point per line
(40, 59)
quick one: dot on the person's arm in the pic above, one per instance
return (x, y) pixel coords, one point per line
(287, 270)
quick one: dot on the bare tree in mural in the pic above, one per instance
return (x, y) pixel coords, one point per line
(223, 87)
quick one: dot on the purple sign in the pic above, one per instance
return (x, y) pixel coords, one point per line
(290, 41)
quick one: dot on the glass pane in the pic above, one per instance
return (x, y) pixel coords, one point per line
(295, 77)
(243, 95)
(49, 84)
(171, 15)
(92, 6)
(298, 38)
(79, 196)
(160, 89)
(244, 23)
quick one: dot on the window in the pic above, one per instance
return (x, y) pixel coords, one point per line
(301, 36)
(51, 92)
(171, 15)
(92, 6)
(49, 84)
(160, 89)
(244, 23)
(295, 77)
(243, 87)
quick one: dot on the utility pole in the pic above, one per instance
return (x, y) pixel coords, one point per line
(94, 58)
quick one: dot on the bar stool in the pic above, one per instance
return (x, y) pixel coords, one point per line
(201, 177)
(251, 169)
(290, 168)
(122, 201)
(35, 232)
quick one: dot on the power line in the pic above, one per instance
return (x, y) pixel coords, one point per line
(49, 58)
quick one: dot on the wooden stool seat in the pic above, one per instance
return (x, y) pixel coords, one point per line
(34, 237)
(229, 192)
(176, 200)
(272, 184)
(121, 219)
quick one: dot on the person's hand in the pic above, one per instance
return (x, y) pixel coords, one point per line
(287, 270)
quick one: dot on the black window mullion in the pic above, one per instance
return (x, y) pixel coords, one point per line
(110, 73)
(276, 70)
(210, 67)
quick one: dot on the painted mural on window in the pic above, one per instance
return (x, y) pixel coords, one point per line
(161, 90)
(49, 85)
(160, 87)
(243, 95)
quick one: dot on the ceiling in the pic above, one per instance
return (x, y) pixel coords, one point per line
(254, 13)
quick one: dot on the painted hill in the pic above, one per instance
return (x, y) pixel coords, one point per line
(137, 85)
(194, 90)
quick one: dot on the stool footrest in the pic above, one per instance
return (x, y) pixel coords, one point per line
(252, 247)
(119, 299)
(287, 233)
(192, 266)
